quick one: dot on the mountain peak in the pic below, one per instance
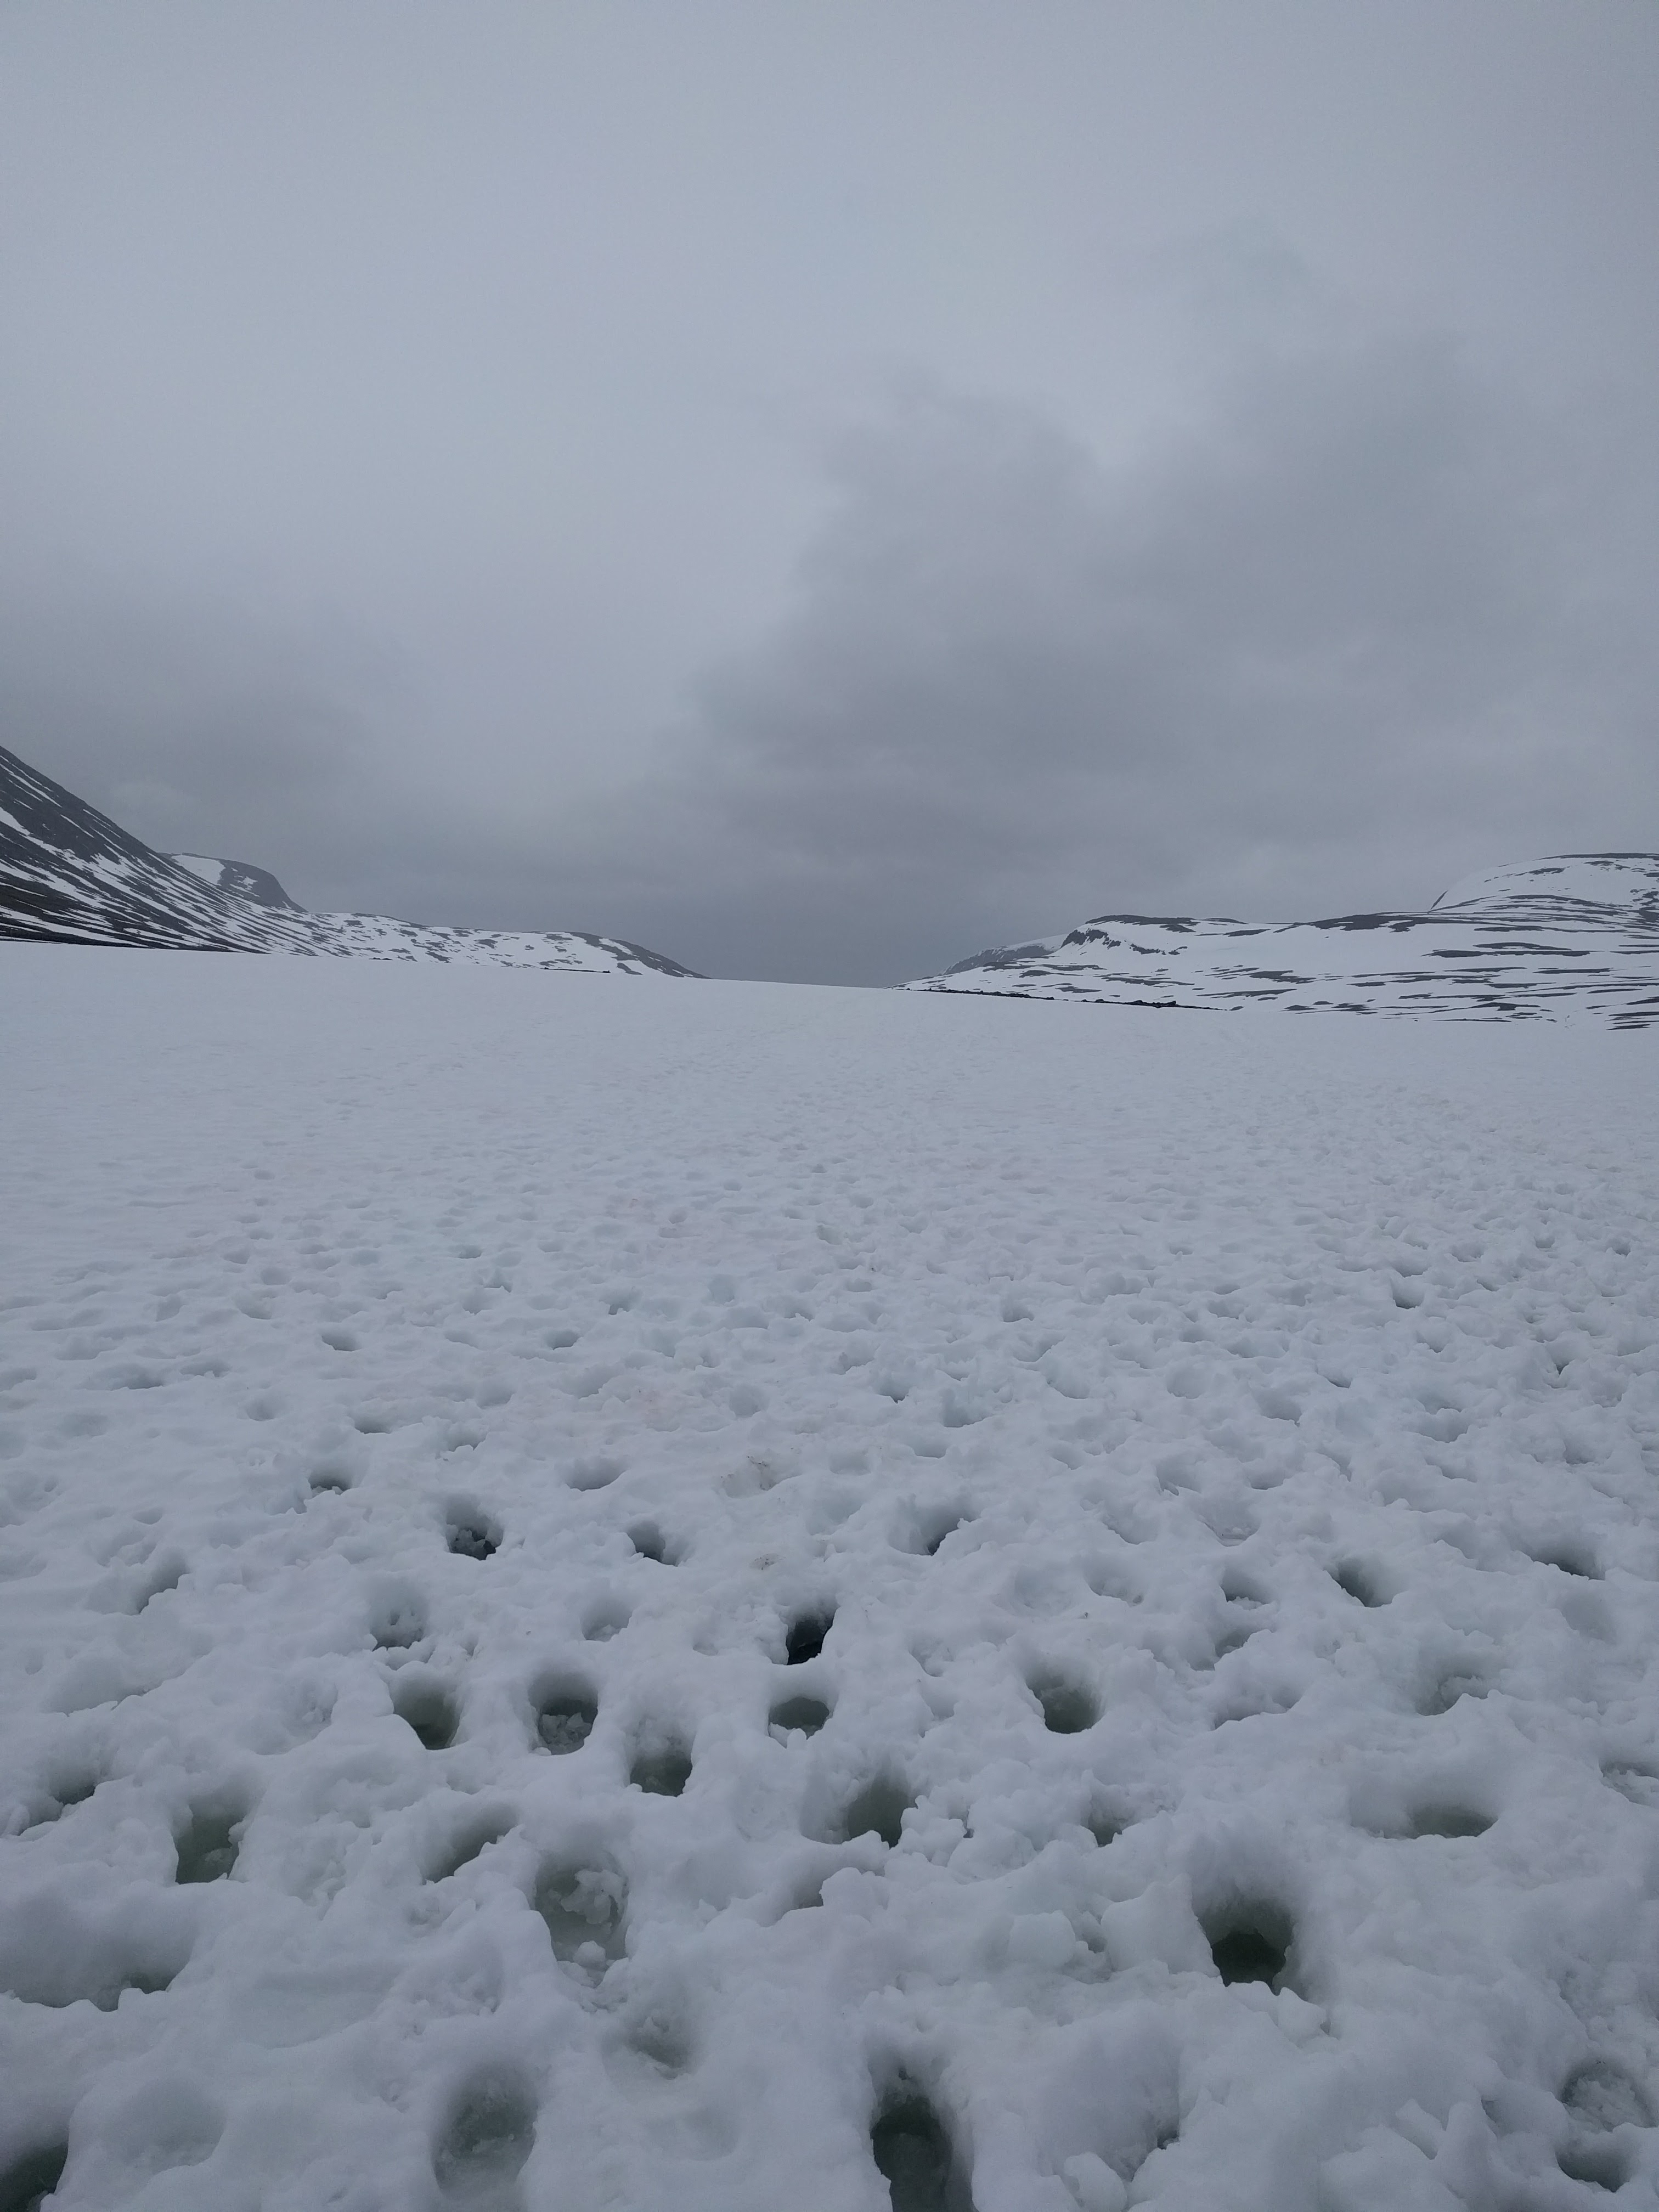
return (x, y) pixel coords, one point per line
(240, 877)
(70, 875)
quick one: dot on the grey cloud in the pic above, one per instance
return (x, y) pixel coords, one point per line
(1370, 626)
(204, 726)
(510, 340)
(1373, 621)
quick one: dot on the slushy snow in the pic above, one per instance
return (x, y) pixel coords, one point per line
(716, 1598)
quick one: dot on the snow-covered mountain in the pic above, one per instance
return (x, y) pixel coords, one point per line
(70, 875)
(1577, 933)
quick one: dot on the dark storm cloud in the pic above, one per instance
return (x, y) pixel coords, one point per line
(202, 726)
(1374, 624)
(399, 405)
(1371, 622)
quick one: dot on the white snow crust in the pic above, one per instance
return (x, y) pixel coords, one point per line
(1272, 1406)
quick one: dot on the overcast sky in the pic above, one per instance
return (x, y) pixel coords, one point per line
(820, 489)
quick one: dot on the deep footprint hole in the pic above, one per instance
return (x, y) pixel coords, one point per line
(923, 1532)
(1446, 1691)
(582, 1905)
(1108, 1578)
(913, 2154)
(805, 1635)
(1572, 1558)
(1448, 1820)
(1593, 2159)
(597, 1473)
(1602, 2096)
(471, 1534)
(1250, 1942)
(1068, 1708)
(565, 1714)
(648, 1542)
(144, 1982)
(208, 1844)
(663, 2042)
(1238, 1589)
(1632, 1780)
(29, 2180)
(167, 1576)
(1106, 1824)
(62, 1792)
(878, 1809)
(490, 2133)
(146, 1978)
(430, 1709)
(398, 1621)
(1354, 1581)
(806, 1714)
(661, 1770)
(467, 1845)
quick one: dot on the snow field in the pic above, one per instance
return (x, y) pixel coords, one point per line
(656, 1595)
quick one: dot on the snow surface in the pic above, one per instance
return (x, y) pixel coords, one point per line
(1224, 1454)
(1579, 934)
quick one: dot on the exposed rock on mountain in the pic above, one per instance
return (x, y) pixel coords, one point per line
(1578, 933)
(239, 876)
(70, 875)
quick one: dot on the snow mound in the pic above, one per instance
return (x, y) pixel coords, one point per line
(767, 1596)
(70, 875)
(1575, 934)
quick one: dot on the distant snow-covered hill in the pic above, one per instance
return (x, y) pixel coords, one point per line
(70, 875)
(1578, 933)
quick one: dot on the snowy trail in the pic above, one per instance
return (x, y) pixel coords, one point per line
(1224, 1454)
